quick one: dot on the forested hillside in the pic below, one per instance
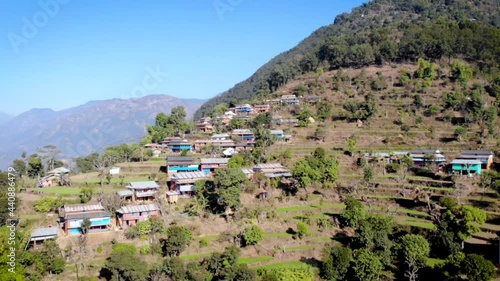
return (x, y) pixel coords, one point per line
(384, 31)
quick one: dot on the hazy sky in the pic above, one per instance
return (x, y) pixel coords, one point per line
(62, 53)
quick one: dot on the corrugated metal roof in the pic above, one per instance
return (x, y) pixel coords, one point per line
(47, 231)
(188, 175)
(102, 214)
(137, 208)
(425, 151)
(276, 132)
(172, 193)
(478, 152)
(180, 159)
(267, 166)
(466, 162)
(82, 207)
(242, 131)
(143, 185)
(123, 193)
(248, 171)
(214, 160)
(220, 136)
(145, 194)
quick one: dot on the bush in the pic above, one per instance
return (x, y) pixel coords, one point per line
(145, 249)
(131, 233)
(302, 230)
(253, 235)
(392, 168)
(203, 242)
(99, 249)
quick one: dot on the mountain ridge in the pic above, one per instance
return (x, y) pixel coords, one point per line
(86, 128)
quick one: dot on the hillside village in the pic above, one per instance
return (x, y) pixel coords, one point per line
(370, 156)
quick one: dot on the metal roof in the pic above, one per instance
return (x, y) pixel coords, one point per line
(47, 231)
(172, 193)
(466, 162)
(220, 136)
(478, 152)
(143, 185)
(425, 151)
(180, 159)
(242, 131)
(214, 160)
(123, 193)
(101, 214)
(137, 208)
(60, 170)
(276, 132)
(82, 207)
(188, 175)
(145, 194)
(276, 175)
(247, 171)
(268, 166)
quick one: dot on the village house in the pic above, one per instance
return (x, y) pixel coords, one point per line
(243, 134)
(181, 164)
(53, 177)
(229, 114)
(184, 183)
(223, 144)
(205, 127)
(292, 121)
(422, 157)
(244, 108)
(273, 101)
(261, 108)
(393, 157)
(466, 166)
(244, 145)
(208, 165)
(166, 141)
(289, 100)
(130, 215)
(205, 119)
(272, 170)
(484, 156)
(143, 190)
(220, 136)
(126, 195)
(72, 217)
(179, 145)
(248, 172)
(172, 197)
(114, 171)
(277, 133)
(42, 234)
(312, 99)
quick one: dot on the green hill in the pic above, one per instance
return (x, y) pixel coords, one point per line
(380, 32)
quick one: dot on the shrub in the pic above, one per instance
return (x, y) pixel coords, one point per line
(392, 168)
(253, 235)
(145, 249)
(302, 230)
(99, 249)
(203, 242)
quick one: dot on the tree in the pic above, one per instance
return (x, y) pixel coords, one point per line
(253, 235)
(5, 252)
(20, 166)
(368, 174)
(49, 154)
(461, 72)
(178, 238)
(86, 194)
(228, 183)
(35, 166)
(86, 164)
(335, 263)
(415, 250)
(324, 110)
(366, 265)
(353, 213)
(373, 234)
(463, 221)
(477, 268)
(123, 264)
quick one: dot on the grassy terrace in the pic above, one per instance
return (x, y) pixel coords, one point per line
(113, 180)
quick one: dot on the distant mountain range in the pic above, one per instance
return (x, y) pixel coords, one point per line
(4, 118)
(84, 129)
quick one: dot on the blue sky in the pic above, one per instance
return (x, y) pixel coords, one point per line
(67, 52)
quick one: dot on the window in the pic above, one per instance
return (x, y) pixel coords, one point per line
(140, 214)
(133, 213)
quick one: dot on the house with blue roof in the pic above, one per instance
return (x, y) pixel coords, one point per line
(181, 164)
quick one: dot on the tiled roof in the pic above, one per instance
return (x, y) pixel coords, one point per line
(82, 207)
(137, 208)
(214, 160)
(143, 185)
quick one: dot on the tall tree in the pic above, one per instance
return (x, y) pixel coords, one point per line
(415, 250)
(49, 154)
